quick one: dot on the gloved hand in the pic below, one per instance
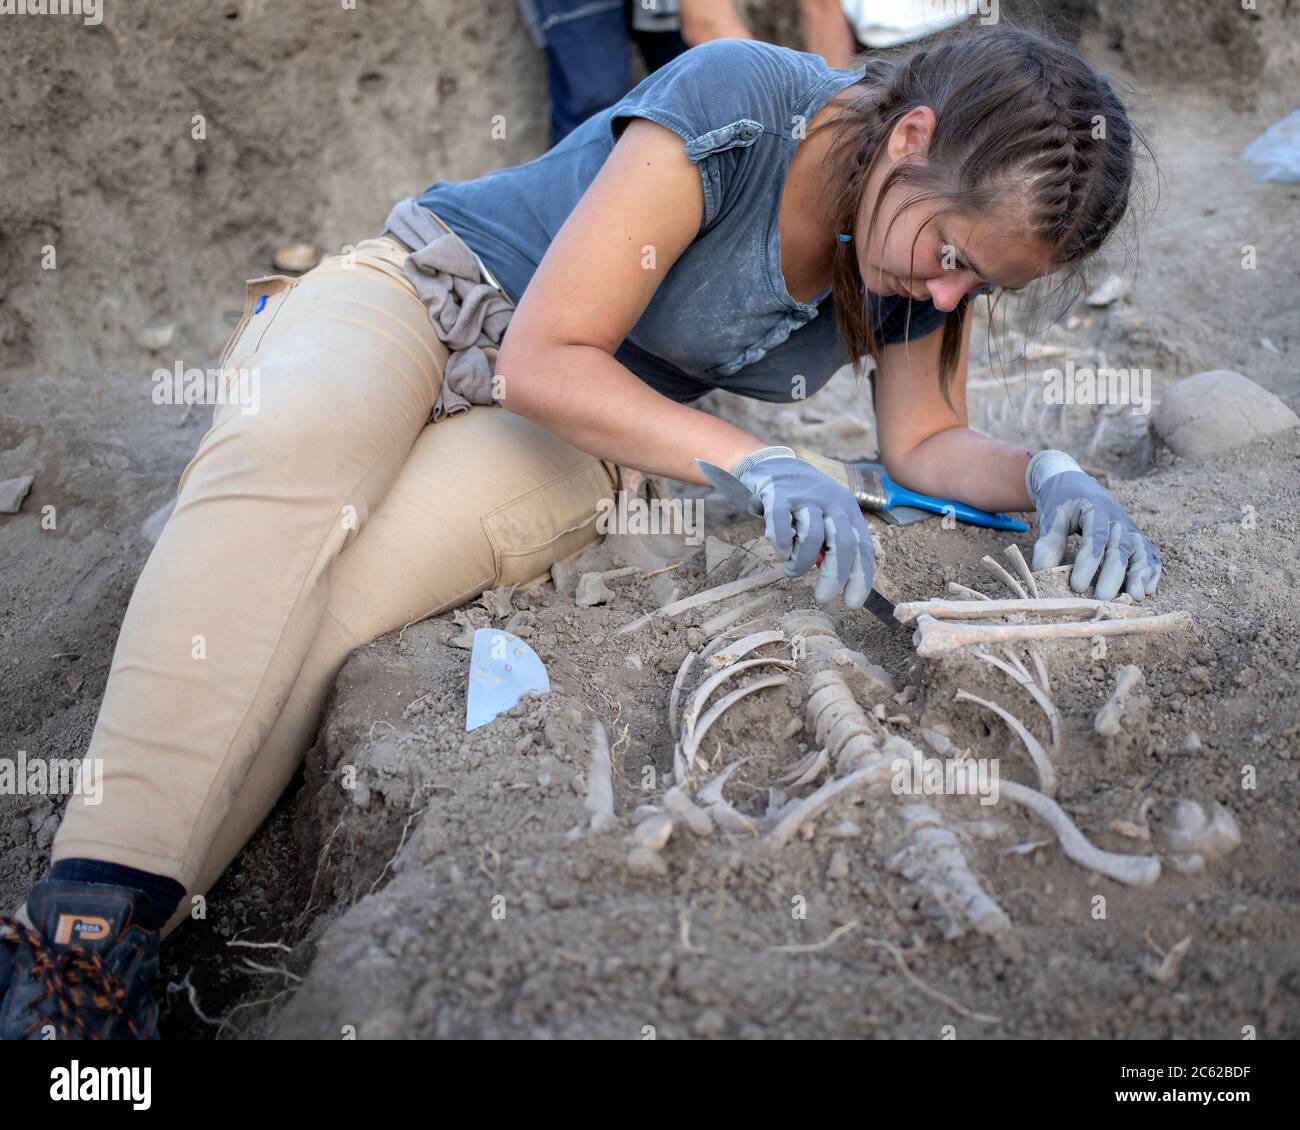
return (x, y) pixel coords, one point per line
(1069, 501)
(805, 509)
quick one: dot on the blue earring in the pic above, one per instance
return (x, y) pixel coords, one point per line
(844, 237)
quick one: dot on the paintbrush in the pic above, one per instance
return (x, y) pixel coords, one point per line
(877, 492)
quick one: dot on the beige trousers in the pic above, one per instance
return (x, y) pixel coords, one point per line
(330, 514)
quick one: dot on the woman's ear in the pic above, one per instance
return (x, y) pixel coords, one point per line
(912, 134)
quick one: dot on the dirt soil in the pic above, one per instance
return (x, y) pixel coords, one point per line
(455, 889)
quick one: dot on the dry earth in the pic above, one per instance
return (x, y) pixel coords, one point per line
(385, 894)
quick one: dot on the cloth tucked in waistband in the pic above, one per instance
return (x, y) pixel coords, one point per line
(468, 313)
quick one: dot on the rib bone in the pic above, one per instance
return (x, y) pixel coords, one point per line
(1046, 774)
(1136, 870)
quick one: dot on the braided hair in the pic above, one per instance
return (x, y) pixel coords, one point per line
(1016, 115)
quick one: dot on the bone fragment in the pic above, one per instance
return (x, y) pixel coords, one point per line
(1110, 717)
(600, 783)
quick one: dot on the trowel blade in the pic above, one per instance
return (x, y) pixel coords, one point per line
(502, 669)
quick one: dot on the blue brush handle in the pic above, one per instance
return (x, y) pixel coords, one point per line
(901, 496)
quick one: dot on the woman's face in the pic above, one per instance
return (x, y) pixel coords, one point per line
(928, 250)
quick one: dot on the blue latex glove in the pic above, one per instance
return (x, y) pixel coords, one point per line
(1071, 501)
(805, 509)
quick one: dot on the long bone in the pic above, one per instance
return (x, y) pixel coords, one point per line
(1043, 606)
(936, 637)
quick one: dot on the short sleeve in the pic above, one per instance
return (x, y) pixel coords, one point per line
(720, 98)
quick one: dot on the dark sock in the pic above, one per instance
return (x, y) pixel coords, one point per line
(161, 895)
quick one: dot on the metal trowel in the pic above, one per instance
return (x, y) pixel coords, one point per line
(502, 669)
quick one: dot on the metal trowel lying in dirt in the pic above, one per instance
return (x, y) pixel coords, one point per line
(502, 669)
(743, 498)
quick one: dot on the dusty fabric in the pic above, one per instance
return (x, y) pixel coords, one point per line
(468, 312)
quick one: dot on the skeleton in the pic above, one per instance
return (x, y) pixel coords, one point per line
(853, 753)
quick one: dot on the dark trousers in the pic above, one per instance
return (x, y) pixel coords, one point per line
(587, 52)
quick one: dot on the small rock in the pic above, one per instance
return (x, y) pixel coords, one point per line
(643, 861)
(13, 491)
(1111, 289)
(156, 337)
(632, 661)
(839, 866)
(1217, 411)
(295, 257)
(653, 832)
(1192, 743)
(565, 575)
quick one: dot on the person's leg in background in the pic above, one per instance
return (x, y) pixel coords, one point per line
(657, 46)
(587, 55)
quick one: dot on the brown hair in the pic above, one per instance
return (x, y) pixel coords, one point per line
(1017, 115)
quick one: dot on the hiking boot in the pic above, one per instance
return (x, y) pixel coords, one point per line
(76, 967)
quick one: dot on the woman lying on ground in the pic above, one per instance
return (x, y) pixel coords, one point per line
(696, 235)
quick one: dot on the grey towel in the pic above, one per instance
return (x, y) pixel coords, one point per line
(468, 314)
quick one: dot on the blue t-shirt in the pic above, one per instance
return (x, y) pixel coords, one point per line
(722, 316)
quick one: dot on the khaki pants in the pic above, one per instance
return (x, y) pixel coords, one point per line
(332, 514)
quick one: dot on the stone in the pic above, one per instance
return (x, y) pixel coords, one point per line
(295, 257)
(1217, 411)
(13, 491)
(1111, 289)
(156, 337)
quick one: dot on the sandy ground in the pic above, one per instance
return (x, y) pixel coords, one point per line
(450, 895)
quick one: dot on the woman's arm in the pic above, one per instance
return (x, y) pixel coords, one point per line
(556, 365)
(927, 446)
